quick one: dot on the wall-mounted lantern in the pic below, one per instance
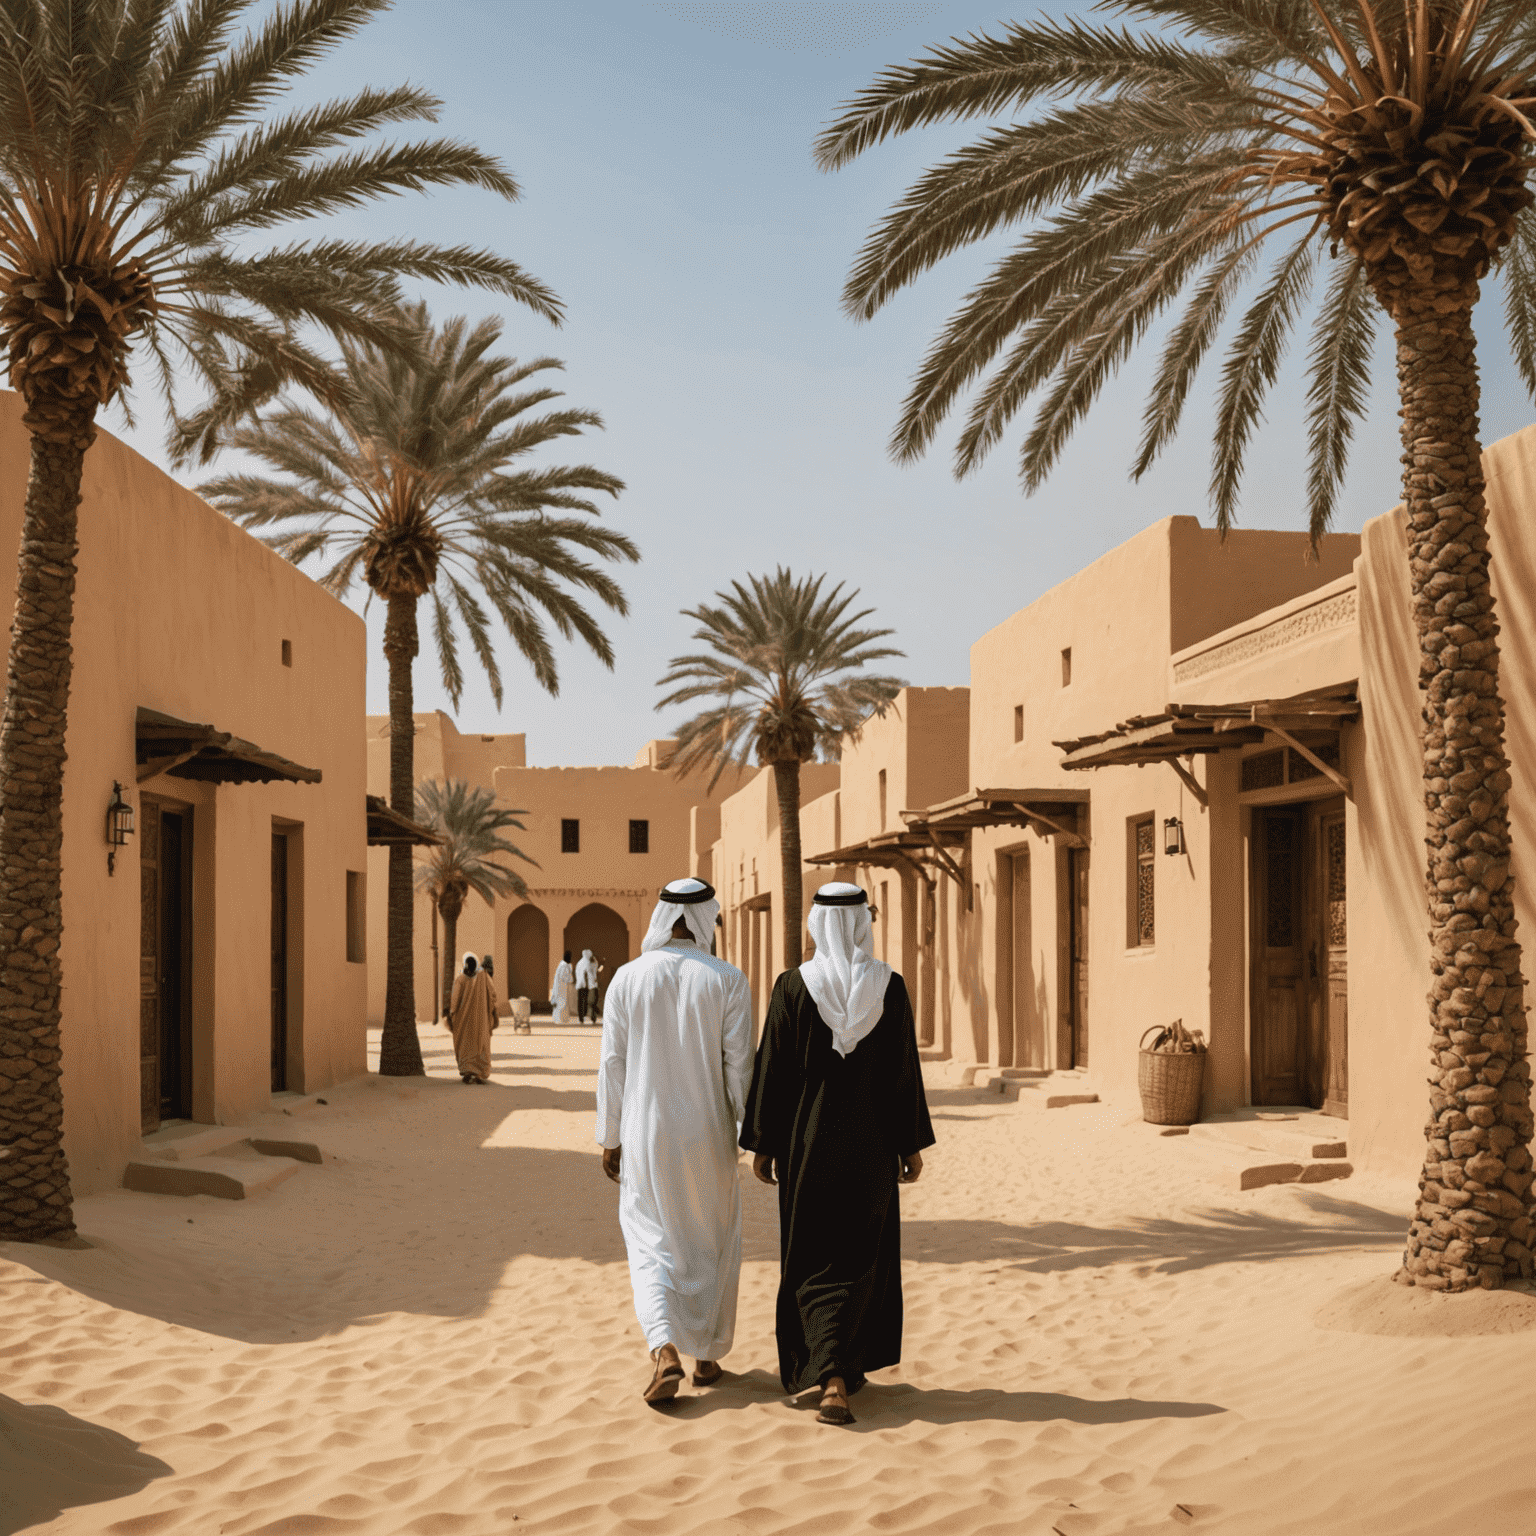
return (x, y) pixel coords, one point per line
(119, 824)
(1173, 836)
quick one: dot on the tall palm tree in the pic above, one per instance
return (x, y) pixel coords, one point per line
(142, 154)
(416, 479)
(470, 821)
(782, 668)
(1391, 139)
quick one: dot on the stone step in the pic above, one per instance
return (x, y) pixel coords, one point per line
(178, 1143)
(229, 1177)
(300, 1151)
(1307, 1138)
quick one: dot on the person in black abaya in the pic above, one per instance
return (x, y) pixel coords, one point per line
(836, 1117)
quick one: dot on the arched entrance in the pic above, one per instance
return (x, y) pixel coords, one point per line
(528, 955)
(604, 932)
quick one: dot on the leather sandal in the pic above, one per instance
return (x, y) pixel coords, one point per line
(665, 1382)
(834, 1413)
(707, 1378)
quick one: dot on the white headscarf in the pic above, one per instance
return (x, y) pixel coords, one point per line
(699, 911)
(845, 981)
(470, 957)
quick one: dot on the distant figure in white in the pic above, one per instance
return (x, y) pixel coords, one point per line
(560, 992)
(587, 974)
(671, 1087)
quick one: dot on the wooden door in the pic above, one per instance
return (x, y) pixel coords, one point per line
(149, 966)
(279, 962)
(1028, 1045)
(1077, 950)
(1332, 926)
(1280, 990)
(175, 1045)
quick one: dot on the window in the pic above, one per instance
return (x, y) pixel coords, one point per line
(639, 837)
(287, 653)
(570, 835)
(882, 799)
(885, 893)
(1018, 722)
(357, 912)
(1066, 667)
(1141, 861)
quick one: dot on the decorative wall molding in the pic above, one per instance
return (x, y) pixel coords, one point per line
(610, 891)
(1334, 613)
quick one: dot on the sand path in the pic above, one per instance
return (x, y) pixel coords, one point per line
(433, 1334)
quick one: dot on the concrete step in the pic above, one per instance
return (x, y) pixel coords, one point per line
(227, 1177)
(1234, 1167)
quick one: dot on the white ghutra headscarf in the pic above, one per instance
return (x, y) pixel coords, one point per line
(845, 981)
(691, 900)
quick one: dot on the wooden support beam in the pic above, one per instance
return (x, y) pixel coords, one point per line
(1324, 768)
(1190, 781)
(953, 869)
(165, 764)
(1074, 839)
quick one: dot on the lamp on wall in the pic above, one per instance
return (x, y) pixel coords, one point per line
(119, 824)
(1173, 835)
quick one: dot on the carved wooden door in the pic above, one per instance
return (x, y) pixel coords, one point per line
(1333, 990)
(1077, 944)
(1280, 990)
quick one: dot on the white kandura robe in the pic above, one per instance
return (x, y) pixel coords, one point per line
(671, 1088)
(560, 993)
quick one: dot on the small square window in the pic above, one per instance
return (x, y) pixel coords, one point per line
(570, 835)
(1066, 667)
(287, 653)
(1018, 722)
(639, 837)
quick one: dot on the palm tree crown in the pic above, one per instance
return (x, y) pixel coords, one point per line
(783, 667)
(1389, 137)
(139, 155)
(415, 481)
(469, 857)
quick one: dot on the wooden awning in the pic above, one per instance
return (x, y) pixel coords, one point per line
(1306, 721)
(386, 826)
(1051, 812)
(186, 750)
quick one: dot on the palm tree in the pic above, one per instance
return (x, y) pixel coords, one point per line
(415, 479)
(470, 821)
(782, 668)
(141, 154)
(1390, 138)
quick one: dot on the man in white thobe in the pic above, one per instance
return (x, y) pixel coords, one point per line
(671, 1087)
(560, 992)
(587, 970)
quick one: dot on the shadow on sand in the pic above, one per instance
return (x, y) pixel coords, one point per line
(1168, 1246)
(51, 1461)
(891, 1405)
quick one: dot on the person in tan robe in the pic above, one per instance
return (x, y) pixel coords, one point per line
(472, 1017)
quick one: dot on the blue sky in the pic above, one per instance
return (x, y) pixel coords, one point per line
(670, 198)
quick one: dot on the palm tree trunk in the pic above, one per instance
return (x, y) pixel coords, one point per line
(399, 1049)
(450, 910)
(1471, 1225)
(786, 780)
(35, 1198)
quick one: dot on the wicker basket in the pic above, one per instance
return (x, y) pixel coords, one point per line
(1170, 1083)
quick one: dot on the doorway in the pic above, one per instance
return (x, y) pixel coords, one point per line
(1299, 983)
(279, 962)
(165, 950)
(528, 955)
(1072, 1041)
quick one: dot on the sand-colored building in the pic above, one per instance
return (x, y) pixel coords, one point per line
(1191, 790)
(603, 841)
(221, 958)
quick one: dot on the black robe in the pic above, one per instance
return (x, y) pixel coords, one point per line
(836, 1126)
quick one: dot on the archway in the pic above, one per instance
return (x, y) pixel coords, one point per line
(604, 932)
(528, 955)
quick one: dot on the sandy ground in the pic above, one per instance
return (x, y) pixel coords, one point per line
(433, 1334)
